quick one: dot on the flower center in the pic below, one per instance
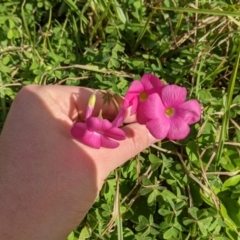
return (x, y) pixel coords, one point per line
(169, 112)
(143, 96)
(99, 132)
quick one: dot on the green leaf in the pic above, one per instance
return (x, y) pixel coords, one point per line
(143, 223)
(164, 212)
(168, 234)
(192, 152)
(187, 221)
(164, 225)
(5, 60)
(142, 237)
(226, 115)
(10, 34)
(201, 11)
(230, 159)
(155, 161)
(204, 224)
(119, 11)
(4, 68)
(154, 231)
(146, 181)
(58, 74)
(84, 234)
(232, 234)
(145, 191)
(74, 7)
(193, 212)
(179, 205)
(11, 23)
(231, 182)
(142, 219)
(71, 236)
(115, 63)
(167, 194)
(230, 210)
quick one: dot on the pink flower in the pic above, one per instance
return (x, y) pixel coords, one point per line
(118, 121)
(168, 115)
(139, 91)
(97, 132)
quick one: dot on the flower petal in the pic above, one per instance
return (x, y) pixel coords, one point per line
(152, 108)
(129, 98)
(126, 103)
(134, 105)
(132, 94)
(80, 132)
(97, 124)
(159, 127)
(189, 111)
(135, 87)
(173, 95)
(115, 133)
(179, 129)
(150, 81)
(92, 139)
(118, 121)
(89, 112)
(142, 118)
(108, 143)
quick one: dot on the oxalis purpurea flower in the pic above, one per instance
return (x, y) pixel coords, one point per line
(168, 114)
(97, 132)
(139, 91)
(162, 108)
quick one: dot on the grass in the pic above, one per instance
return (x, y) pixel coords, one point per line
(173, 190)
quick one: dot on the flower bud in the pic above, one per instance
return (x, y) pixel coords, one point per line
(91, 104)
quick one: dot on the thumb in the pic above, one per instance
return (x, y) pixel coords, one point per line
(137, 139)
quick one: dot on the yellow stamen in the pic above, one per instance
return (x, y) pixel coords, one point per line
(169, 112)
(143, 96)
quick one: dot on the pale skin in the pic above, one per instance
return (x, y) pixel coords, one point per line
(48, 180)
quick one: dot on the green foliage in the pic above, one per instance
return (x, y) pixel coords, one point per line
(184, 190)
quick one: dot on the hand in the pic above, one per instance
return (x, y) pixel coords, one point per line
(48, 180)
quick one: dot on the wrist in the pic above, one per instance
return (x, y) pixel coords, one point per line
(22, 215)
(20, 223)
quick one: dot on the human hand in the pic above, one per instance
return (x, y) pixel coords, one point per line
(48, 180)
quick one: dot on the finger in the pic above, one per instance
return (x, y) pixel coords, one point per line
(130, 118)
(138, 139)
(74, 101)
